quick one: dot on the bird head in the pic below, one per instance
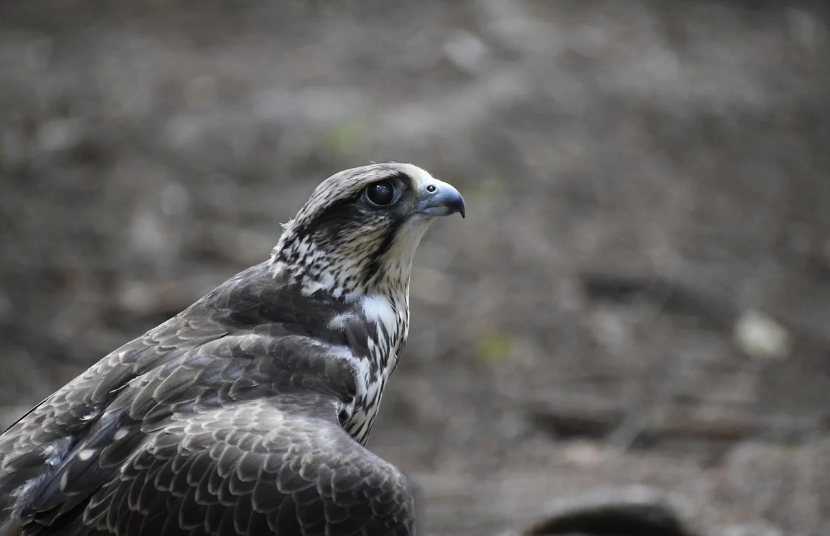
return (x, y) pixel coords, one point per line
(358, 232)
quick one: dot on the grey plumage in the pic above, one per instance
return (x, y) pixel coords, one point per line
(246, 414)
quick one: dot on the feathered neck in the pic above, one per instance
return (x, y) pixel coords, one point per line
(378, 262)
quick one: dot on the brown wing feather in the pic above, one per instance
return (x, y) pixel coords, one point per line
(120, 447)
(278, 466)
(45, 438)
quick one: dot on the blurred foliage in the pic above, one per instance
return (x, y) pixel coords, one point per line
(494, 346)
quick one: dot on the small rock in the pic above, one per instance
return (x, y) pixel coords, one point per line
(761, 337)
(61, 135)
(465, 51)
(585, 453)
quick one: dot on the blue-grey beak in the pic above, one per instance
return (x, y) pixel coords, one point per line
(441, 199)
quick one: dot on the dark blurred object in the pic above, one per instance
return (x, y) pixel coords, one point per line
(630, 512)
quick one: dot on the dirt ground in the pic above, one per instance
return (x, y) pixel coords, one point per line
(634, 312)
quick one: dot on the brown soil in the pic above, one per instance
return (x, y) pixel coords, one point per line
(640, 177)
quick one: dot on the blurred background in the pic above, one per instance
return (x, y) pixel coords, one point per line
(634, 313)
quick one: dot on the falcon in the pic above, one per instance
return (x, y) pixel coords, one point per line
(248, 412)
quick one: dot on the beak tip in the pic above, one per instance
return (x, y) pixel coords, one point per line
(458, 205)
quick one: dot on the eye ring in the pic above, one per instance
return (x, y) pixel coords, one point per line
(380, 194)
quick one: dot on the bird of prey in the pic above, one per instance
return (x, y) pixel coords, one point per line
(247, 413)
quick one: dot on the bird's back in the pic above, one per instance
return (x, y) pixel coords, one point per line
(252, 338)
(246, 413)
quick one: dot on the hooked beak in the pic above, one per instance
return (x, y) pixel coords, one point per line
(441, 199)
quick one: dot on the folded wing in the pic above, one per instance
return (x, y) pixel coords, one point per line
(278, 466)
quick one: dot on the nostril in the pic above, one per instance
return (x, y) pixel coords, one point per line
(431, 188)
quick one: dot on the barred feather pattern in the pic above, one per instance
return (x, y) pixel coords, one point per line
(225, 420)
(247, 413)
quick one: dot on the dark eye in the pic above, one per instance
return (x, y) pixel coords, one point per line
(380, 193)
